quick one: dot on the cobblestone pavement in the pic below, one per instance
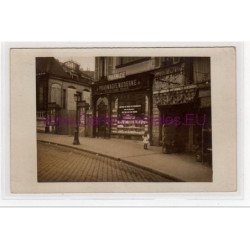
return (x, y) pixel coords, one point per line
(62, 164)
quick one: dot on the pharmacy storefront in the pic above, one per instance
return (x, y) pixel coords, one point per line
(122, 107)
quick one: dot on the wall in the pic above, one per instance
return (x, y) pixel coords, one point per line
(67, 115)
(165, 79)
(136, 68)
(110, 67)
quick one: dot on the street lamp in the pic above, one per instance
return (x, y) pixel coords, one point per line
(79, 104)
(76, 135)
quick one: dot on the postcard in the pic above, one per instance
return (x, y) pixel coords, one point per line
(123, 120)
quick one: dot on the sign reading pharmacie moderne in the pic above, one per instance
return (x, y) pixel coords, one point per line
(120, 86)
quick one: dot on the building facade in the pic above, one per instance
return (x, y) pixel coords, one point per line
(160, 95)
(122, 96)
(182, 103)
(58, 85)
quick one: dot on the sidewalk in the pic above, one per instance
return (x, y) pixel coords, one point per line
(178, 166)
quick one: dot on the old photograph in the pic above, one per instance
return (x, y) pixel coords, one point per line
(124, 119)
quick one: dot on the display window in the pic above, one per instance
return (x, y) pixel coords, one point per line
(129, 114)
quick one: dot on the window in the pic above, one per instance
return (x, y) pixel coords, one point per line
(102, 66)
(86, 96)
(79, 96)
(56, 94)
(64, 99)
(201, 69)
(126, 61)
(40, 97)
(110, 65)
(167, 61)
(157, 62)
(176, 60)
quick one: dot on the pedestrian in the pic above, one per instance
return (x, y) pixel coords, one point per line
(145, 138)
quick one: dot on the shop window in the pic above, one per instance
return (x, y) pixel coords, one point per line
(128, 115)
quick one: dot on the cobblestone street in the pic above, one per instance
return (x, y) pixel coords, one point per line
(61, 164)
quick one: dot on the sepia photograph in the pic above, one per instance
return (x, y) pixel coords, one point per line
(123, 119)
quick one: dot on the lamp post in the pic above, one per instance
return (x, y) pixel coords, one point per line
(76, 135)
(79, 104)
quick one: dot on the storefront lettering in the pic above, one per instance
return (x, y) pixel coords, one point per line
(119, 86)
(117, 76)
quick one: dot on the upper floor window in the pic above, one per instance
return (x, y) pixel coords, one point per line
(126, 61)
(169, 61)
(201, 69)
(56, 93)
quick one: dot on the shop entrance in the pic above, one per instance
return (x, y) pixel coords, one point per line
(102, 110)
(174, 129)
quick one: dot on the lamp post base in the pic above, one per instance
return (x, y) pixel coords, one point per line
(76, 139)
(47, 129)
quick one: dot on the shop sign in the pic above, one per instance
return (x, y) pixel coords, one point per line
(119, 86)
(130, 110)
(117, 76)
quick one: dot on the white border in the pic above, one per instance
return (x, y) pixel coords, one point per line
(169, 199)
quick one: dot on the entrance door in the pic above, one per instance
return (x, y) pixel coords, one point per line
(102, 119)
(175, 129)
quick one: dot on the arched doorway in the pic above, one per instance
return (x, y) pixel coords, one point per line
(102, 118)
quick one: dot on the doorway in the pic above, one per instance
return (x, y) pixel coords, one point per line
(102, 111)
(173, 127)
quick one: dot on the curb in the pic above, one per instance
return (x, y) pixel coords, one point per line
(116, 159)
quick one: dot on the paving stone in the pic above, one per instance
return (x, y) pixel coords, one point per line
(61, 164)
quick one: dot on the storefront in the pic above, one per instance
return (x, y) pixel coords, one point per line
(178, 112)
(183, 110)
(122, 107)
